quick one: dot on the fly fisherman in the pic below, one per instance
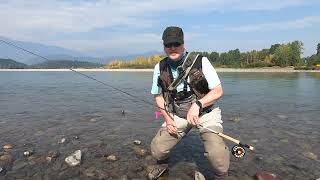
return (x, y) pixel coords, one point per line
(185, 89)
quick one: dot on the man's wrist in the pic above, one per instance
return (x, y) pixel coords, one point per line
(199, 104)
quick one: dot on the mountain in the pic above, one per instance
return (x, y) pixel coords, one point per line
(47, 51)
(11, 64)
(65, 64)
(54, 53)
(133, 56)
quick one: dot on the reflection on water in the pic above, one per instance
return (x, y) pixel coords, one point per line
(275, 112)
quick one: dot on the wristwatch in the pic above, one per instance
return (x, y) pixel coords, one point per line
(200, 105)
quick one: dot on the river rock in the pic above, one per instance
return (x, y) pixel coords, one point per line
(236, 119)
(74, 159)
(7, 147)
(310, 155)
(6, 160)
(52, 155)
(28, 153)
(140, 152)
(112, 158)
(137, 142)
(62, 141)
(265, 176)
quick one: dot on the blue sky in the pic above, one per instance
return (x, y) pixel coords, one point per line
(115, 28)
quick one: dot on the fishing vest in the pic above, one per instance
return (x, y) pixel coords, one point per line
(179, 103)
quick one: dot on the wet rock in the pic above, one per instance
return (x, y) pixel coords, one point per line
(199, 176)
(93, 120)
(28, 153)
(74, 159)
(62, 141)
(265, 176)
(112, 158)
(7, 147)
(282, 116)
(140, 152)
(52, 155)
(236, 119)
(90, 172)
(6, 160)
(310, 155)
(137, 142)
(124, 177)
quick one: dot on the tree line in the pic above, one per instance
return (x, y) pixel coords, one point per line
(281, 55)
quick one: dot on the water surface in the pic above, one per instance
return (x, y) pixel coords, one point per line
(278, 112)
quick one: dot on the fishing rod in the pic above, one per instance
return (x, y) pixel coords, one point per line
(237, 151)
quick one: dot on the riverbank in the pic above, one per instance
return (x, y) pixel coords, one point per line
(285, 70)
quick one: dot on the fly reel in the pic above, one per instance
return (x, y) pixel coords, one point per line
(238, 151)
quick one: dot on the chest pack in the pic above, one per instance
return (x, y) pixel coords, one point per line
(180, 102)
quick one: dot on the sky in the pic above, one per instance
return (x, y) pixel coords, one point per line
(123, 27)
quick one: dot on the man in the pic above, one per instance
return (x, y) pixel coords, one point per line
(189, 105)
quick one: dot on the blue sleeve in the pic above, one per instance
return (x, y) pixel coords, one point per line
(210, 73)
(156, 73)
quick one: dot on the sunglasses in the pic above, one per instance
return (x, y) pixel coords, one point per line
(175, 44)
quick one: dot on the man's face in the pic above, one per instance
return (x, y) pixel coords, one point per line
(174, 50)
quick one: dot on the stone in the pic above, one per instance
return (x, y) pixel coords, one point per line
(7, 147)
(236, 119)
(137, 142)
(74, 159)
(63, 140)
(112, 158)
(199, 176)
(310, 155)
(52, 155)
(28, 153)
(140, 152)
(265, 176)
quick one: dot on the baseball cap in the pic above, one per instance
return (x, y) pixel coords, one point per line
(172, 34)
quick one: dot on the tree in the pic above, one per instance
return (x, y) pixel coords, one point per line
(295, 52)
(318, 48)
(282, 55)
(273, 48)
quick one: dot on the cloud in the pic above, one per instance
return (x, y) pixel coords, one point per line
(84, 16)
(281, 25)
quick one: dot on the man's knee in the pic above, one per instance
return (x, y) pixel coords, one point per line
(219, 158)
(158, 150)
(217, 152)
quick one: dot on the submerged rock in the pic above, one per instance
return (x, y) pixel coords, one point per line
(63, 140)
(52, 155)
(140, 152)
(74, 159)
(236, 119)
(137, 142)
(7, 147)
(112, 158)
(265, 176)
(310, 155)
(28, 153)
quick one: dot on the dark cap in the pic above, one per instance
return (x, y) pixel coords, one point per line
(172, 34)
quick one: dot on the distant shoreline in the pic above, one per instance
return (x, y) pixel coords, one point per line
(151, 70)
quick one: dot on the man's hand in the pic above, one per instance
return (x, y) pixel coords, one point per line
(193, 114)
(172, 127)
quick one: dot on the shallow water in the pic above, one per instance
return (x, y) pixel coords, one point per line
(278, 113)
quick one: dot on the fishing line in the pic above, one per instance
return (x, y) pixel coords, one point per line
(85, 75)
